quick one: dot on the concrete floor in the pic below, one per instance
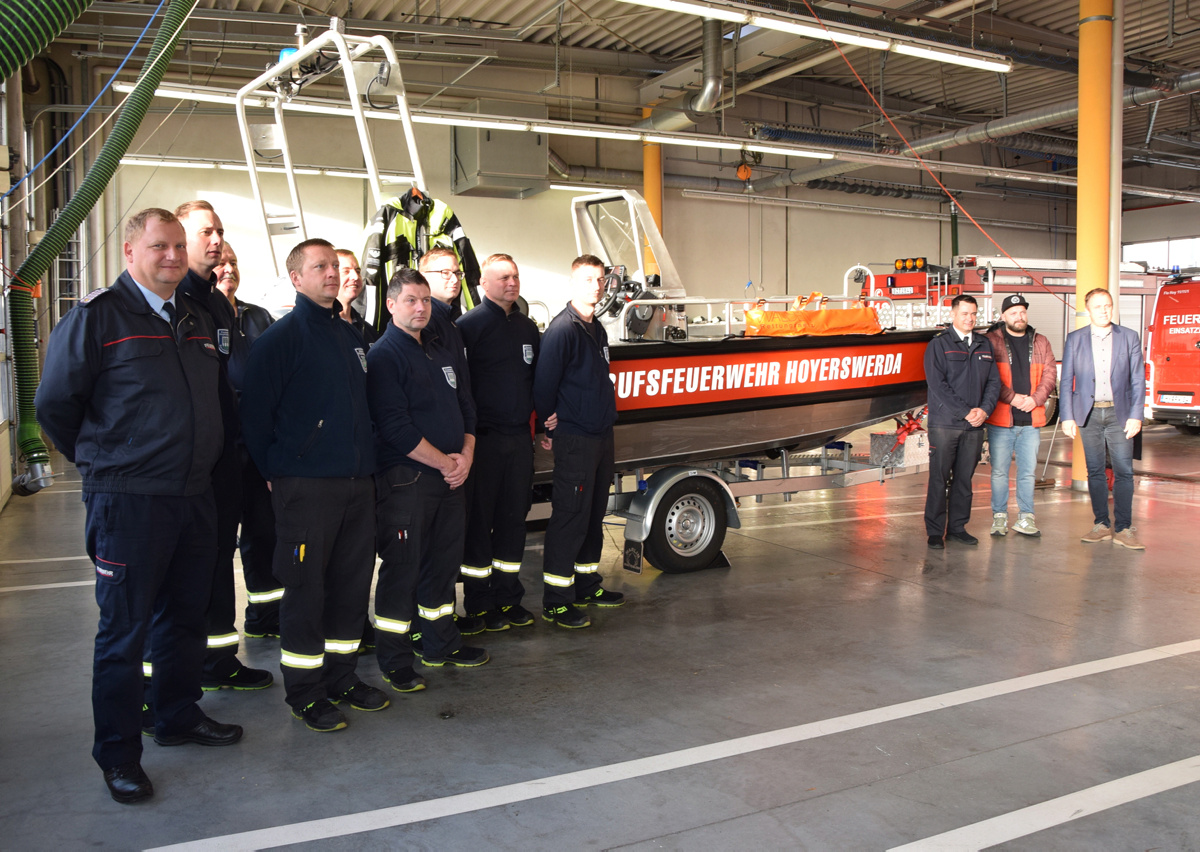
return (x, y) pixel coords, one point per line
(840, 687)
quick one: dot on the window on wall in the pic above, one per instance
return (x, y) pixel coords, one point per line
(1164, 255)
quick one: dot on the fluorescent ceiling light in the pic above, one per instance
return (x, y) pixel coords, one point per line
(735, 16)
(816, 31)
(697, 142)
(464, 120)
(982, 61)
(788, 152)
(594, 133)
(587, 189)
(165, 164)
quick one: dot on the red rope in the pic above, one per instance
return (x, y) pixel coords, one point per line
(921, 160)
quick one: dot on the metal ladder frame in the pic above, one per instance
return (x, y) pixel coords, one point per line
(349, 50)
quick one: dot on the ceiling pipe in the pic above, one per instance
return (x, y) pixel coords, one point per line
(687, 109)
(627, 177)
(1062, 112)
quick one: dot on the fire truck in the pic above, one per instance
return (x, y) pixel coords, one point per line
(1173, 356)
(1165, 311)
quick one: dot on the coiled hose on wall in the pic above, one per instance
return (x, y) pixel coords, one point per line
(21, 314)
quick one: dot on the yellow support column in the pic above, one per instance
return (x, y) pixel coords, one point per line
(1095, 159)
(652, 190)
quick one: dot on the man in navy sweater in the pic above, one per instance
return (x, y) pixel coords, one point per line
(572, 384)
(502, 348)
(425, 441)
(206, 239)
(307, 426)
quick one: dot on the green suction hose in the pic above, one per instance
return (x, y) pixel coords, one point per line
(27, 26)
(21, 314)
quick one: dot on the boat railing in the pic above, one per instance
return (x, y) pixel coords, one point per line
(891, 316)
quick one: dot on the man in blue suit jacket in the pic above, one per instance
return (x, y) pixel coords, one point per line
(1102, 392)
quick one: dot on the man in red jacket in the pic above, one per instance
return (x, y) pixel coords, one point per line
(1027, 377)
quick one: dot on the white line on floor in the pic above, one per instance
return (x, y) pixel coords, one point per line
(820, 522)
(540, 787)
(40, 586)
(1026, 821)
(43, 559)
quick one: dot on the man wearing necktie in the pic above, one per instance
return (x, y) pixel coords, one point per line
(963, 388)
(130, 395)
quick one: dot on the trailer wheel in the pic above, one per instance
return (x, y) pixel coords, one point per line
(689, 527)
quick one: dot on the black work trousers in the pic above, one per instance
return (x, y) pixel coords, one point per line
(419, 536)
(324, 557)
(583, 472)
(953, 457)
(154, 558)
(256, 541)
(221, 657)
(499, 492)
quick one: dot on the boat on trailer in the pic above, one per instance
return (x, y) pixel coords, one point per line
(694, 394)
(690, 390)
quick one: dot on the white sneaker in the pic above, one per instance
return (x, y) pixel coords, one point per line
(999, 523)
(1025, 525)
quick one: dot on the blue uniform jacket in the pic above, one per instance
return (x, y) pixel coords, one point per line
(1077, 389)
(136, 410)
(304, 398)
(416, 390)
(572, 378)
(232, 345)
(502, 352)
(960, 378)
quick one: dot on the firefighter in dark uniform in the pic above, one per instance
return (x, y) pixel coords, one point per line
(252, 319)
(308, 428)
(129, 394)
(351, 287)
(964, 385)
(425, 423)
(502, 349)
(441, 270)
(256, 535)
(222, 669)
(572, 383)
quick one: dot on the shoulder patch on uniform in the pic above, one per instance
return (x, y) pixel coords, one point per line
(95, 294)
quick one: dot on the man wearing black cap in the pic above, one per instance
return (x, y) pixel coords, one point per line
(1025, 361)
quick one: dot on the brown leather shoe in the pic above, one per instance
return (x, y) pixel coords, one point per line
(1126, 538)
(1099, 533)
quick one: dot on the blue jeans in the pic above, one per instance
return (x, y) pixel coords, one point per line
(1003, 441)
(1102, 431)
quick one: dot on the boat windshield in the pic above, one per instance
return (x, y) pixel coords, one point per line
(613, 223)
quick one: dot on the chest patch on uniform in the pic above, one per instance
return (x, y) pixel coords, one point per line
(208, 345)
(606, 358)
(527, 351)
(362, 357)
(451, 379)
(223, 340)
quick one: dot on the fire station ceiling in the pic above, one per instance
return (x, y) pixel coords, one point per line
(449, 47)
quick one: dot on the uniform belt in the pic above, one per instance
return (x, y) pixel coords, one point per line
(1108, 404)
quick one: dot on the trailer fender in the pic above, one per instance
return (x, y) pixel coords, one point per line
(639, 517)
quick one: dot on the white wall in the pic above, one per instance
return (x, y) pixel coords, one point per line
(1160, 223)
(718, 246)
